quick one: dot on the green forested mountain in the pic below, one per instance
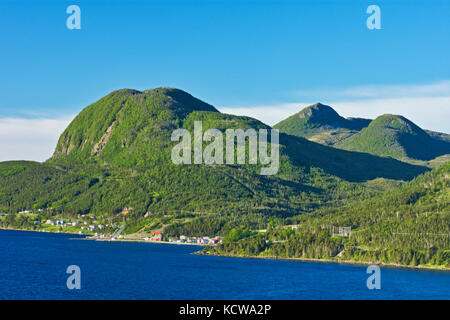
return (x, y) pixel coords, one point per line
(115, 155)
(397, 137)
(114, 161)
(407, 226)
(126, 128)
(388, 135)
(321, 123)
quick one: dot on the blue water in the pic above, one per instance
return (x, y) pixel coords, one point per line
(33, 266)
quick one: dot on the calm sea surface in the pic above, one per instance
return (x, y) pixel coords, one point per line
(33, 266)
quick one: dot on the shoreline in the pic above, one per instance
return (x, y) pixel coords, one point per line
(144, 241)
(91, 237)
(45, 231)
(348, 262)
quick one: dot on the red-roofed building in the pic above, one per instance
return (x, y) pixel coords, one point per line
(157, 236)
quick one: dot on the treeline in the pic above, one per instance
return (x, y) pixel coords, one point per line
(101, 189)
(408, 226)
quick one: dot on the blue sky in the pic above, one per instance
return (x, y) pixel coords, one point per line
(264, 58)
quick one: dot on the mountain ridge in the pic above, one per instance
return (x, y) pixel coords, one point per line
(397, 137)
(113, 165)
(387, 135)
(116, 154)
(318, 117)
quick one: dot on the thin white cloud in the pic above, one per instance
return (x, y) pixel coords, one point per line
(426, 105)
(269, 114)
(30, 139)
(434, 89)
(431, 113)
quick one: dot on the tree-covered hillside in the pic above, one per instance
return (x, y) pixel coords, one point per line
(115, 157)
(397, 137)
(406, 226)
(321, 123)
(113, 164)
(387, 136)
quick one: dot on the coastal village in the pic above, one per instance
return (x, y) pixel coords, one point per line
(97, 229)
(159, 236)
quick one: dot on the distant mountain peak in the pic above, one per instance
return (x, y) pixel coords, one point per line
(397, 123)
(398, 137)
(320, 112)
(318, 118)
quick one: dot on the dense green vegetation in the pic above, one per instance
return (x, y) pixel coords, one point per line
(408, 226)
(397, 137)
(319, 118)
(387, 136)
(113, 162)
(115, 155)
